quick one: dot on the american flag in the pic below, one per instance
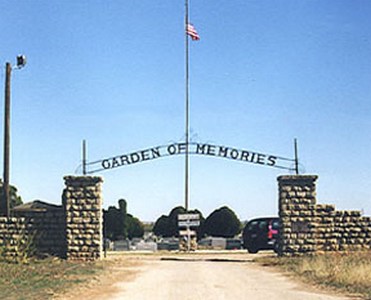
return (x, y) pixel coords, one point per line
(191, 31)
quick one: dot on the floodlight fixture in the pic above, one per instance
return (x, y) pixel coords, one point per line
(21, 61)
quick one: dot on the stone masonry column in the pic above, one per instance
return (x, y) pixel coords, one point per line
(297, 201)
(82, 200)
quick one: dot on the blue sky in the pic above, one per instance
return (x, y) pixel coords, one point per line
(263, 73)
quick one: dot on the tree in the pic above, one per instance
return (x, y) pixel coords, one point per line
(222, 222)
(14, 198)
(112, 223)
(123, 217)
(118, 224)
(135, 228)
(161, 227)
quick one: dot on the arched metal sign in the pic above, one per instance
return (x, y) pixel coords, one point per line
(206, 149)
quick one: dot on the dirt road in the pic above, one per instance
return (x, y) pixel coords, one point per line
(201, 276)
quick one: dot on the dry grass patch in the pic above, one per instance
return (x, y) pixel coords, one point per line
(347, 272)
(54, 278)
(42, 279)
(115, 269)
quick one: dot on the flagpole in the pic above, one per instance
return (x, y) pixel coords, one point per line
(186, 175)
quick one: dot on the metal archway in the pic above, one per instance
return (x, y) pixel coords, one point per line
(206, 149)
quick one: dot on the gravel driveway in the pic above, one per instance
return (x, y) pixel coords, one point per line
(199, 276)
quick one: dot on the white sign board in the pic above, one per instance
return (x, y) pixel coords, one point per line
(184, 217)
(189, 223)
(187, 232)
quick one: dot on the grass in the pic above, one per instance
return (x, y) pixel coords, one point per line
(346, 272)
(42, 279)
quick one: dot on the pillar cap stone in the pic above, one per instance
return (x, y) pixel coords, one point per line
(296, 178)
(83, 180)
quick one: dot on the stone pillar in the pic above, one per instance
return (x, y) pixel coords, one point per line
(297, 200)
(82, 200)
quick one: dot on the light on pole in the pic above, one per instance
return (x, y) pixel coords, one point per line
(5, 203)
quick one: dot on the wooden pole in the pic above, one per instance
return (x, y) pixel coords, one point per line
(6, 200)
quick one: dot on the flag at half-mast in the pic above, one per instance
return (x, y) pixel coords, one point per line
(191, 31)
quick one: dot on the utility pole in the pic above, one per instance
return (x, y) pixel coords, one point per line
(6, 201)
(186, 175)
